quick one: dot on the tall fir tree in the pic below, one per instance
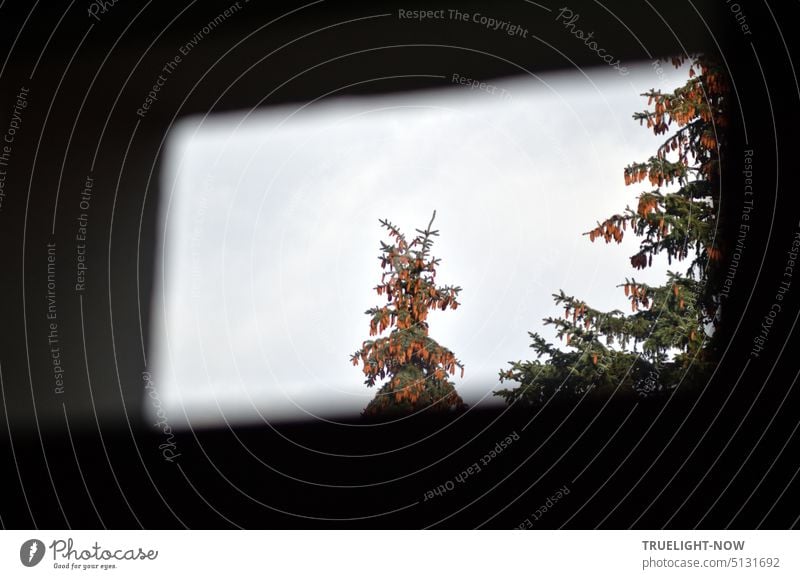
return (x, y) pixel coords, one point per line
(663, 341)
(416, 366)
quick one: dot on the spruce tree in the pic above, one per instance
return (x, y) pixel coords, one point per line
(416, 366)
(663, 340)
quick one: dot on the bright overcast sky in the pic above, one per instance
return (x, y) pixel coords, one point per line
(270, 233)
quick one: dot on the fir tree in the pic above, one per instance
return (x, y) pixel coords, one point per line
(416, 366)
(663, 340)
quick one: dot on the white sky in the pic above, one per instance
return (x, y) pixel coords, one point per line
(271, 234)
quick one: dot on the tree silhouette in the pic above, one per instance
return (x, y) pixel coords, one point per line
(664, 339)
(416, 365)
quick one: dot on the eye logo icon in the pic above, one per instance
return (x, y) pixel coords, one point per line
(31, 552)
